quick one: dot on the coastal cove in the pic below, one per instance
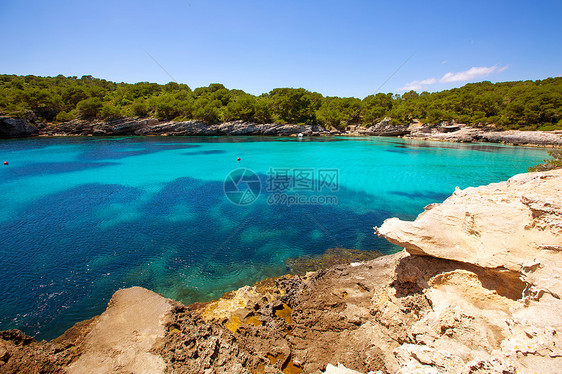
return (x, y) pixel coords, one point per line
(84, 217)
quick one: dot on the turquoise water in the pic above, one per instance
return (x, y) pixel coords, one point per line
(83, 217)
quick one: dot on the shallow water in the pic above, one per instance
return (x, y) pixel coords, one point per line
(83, 217)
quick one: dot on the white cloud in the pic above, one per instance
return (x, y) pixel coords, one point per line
(472, 73)
(418, 85)
(475, 72)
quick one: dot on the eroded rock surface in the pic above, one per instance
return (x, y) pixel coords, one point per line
(468, 134)
(445, 131)
(151, 126)
(499, 309)
(386, 128)
(513, 227)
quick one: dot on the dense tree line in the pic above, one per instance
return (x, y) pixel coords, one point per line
(522, 104)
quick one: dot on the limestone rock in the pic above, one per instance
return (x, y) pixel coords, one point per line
(20, 353)
(540, 138)
(386, 128)
(497, 307)
(444, 131)
(151, 126)
(122, 337)
(513, 226)
(119, 340)
(340, 369)
(466, 134)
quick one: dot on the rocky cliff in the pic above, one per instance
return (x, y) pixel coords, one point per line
(500, 303)
(151, 126)
(16, 128)
(453, 132)
(386, 128)
(476, 290)
(444, 131)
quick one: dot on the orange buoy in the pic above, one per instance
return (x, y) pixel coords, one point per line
(238, 159)
(5, 162)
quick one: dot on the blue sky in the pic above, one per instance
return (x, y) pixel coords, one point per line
(337, 48)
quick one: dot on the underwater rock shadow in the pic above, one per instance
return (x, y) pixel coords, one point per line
(208, 201)
(209, 152)
(106, 150)
(45, 277)
(402, 151)
(49, 168)
(426, 195)
(67, 237)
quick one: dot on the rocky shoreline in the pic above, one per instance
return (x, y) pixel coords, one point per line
(444, 131)
(481, 296)
(467, 134)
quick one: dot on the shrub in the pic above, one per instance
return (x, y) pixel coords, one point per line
(110, 111)
(64, 117)
(90, 107)
(550, 164)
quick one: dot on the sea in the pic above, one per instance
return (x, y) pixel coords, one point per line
(194, 217)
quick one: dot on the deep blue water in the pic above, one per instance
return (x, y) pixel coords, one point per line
(83, 217)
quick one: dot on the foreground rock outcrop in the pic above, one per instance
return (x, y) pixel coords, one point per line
(121, 339)
(502, 302)
(476, 290)
(118, 341)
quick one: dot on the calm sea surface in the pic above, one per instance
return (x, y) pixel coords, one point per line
(83, 217)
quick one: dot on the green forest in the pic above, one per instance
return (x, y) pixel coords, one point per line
(528, 105)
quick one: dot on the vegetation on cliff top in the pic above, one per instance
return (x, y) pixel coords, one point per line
(528, 105)
(550, 164)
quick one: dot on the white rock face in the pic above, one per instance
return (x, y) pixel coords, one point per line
(340, 369)
(506, 238)
(514, 225)
(467, 134)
